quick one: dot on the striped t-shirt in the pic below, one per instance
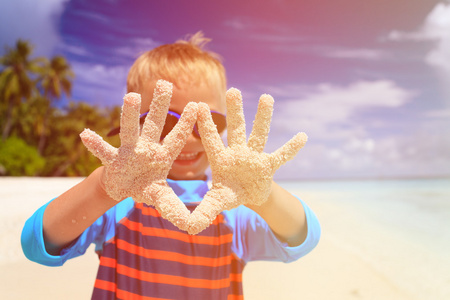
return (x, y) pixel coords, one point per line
(143, 256)
(149, 258)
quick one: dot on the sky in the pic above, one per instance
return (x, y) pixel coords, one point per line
(368, 81)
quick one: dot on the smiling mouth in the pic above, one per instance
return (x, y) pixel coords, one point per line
(188, 156)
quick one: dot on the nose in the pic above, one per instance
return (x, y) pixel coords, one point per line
(192, 138)
(193, 143)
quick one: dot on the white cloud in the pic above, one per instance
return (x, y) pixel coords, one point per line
(275, 34)
(100, 75)
(282, 38)
(132, 50)
(75, 49)
(236, 24)
(136, 47)
(436, 27)
(363, 54)
(442, 113)
(399, 36)
(437, 22)
(420, 154)
(328, 111)
(31, 20)
(255, 25)
(343, 144)
(105, 84)
(100, 84)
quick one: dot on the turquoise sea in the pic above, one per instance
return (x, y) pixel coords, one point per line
(399, 227)
(419, 208)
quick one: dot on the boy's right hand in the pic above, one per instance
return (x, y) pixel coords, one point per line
(139, 167)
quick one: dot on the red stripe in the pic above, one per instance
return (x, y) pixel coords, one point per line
(235, 297)
(105, 285)
(236, 277)
(177, 235)
(173, 256)
(165, 279)
(148, 210)
(121, 294)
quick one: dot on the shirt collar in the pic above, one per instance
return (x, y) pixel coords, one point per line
(189, 190)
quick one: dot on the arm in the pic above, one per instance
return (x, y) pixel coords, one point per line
(66, 217)
(284, 214)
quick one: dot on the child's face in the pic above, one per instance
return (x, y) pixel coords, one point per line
(192, 162)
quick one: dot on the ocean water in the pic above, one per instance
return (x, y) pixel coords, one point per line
(419, 209)
(401, 228)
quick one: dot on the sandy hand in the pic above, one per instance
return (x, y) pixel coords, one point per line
(139, 167)
(241, 173)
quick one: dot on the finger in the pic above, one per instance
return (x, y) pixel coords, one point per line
(261, 126)
(156, 117)
(167, 203)
(211, 140)
(129, 120)
(97, 146)
(214, 202)
(176, 139)
(289, 150)
(235, 118)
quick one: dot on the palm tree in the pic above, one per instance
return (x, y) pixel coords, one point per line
(68, 154)
(15, 82)
(56, 80)
(31, 122)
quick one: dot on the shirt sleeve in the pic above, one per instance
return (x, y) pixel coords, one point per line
(33, 244)
(254, 240)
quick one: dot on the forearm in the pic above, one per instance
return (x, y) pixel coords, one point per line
(285, 215)
(67, 216)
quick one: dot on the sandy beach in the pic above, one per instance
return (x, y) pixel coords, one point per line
(357, 257)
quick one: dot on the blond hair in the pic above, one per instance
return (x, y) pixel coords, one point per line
(183, 62)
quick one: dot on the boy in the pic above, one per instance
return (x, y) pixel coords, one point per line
(142, 255)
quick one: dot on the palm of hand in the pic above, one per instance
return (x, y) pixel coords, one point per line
(139, 167)
(246, 172)
(121, 179)
(241, 173)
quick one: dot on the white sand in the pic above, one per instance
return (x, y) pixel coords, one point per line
(356, 257)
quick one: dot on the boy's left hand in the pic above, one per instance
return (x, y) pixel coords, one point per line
(241, 173)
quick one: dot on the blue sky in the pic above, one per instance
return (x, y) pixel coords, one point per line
(368, 81)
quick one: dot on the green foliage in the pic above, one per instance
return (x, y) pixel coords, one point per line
(55, 76)
(38, 138)
(65, 149)
(16, 81)
(17, 158)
